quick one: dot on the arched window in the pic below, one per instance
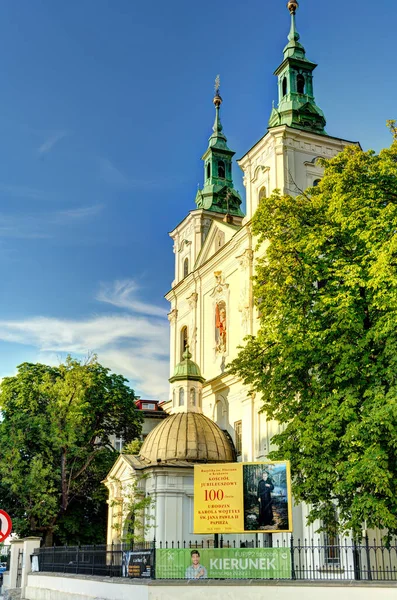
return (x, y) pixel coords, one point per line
(208, 170)
(221, 412)
(186, 267)
(300, 84)
(181, 397)
(184, 339)
(262, 193)
(316, 182)
(221, 169)
(284, 86)
(193, 396)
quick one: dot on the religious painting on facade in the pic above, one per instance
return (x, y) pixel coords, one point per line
(267, 498)
(220, 327)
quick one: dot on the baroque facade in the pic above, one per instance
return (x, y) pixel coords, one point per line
(211, 304)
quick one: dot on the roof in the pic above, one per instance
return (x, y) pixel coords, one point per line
(190, 437)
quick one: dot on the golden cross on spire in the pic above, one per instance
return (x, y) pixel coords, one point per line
(217, 98)
(217, 84)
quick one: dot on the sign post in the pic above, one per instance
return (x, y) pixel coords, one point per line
(5, 525)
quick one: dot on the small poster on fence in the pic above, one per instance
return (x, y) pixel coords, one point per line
(138, 564)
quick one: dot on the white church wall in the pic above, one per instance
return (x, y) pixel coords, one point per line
(284, 159)
(172, 491)
(46, 586)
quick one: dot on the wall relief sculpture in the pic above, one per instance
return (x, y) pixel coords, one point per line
(220, 326)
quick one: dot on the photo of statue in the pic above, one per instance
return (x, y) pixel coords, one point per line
(220, 326)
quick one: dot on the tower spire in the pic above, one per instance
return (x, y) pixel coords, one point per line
(293, 34)
(218, 138)
(297, 107)
(218, 194)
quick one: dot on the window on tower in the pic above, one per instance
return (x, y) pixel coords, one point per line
(208, 170)
(316, 182)
(284, 86)
(185, 267)
(262, 193)
(183, 340)
(221, 169)
(300, 84)
(181, 397)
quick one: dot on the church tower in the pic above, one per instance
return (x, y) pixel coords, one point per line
(218, 194)
(296, 106)
(286, 158)
(212, 307)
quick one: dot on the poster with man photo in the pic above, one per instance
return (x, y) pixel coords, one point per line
(267, 497)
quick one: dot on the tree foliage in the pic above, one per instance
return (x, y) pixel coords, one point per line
(55, 447)
(325, 356)
(133, 447)
(133, 516)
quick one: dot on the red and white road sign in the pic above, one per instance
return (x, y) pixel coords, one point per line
(5, 525)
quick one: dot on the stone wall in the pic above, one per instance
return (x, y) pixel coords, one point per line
(12, 594)
(49, 586)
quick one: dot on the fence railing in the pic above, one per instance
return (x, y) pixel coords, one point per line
(295, 560)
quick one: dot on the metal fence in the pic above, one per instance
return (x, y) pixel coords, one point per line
(86, 560)
(308, 560)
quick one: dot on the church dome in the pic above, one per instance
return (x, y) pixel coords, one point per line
(191, 437)
(187, 369)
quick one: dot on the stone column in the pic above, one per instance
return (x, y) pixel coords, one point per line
(245, 300)
(248, 433)
(30, 544)
(192, 330)
(16, 546)
(172, 317)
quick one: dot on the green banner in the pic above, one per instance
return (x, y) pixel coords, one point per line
(223, 563)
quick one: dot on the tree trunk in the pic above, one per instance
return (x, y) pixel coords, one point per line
(49, 538)
(64, 480)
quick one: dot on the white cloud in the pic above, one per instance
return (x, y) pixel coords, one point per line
(135, 345)
(41, 225)
(122, 294)
(81, 212)
(150, 372)
(22, 191)
(111, 174)
(50, 142)
(115, 177)
(51, 334)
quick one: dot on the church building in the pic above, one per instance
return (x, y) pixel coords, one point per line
(213, 416)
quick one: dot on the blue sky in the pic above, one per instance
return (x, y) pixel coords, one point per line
(105, 111)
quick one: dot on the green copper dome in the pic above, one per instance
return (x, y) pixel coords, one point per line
(187, 369)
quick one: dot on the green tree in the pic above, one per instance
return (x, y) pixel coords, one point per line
(55, 447)
(133, 447)
(325, 356)
(133, 513)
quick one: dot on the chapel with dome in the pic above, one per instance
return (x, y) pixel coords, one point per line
(166, 459)
(213, 416)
